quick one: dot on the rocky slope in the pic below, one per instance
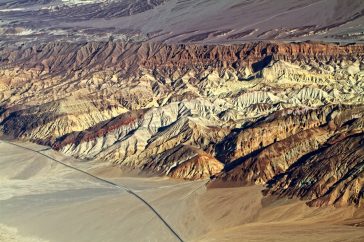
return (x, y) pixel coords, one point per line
(332, 176)
(289, 115)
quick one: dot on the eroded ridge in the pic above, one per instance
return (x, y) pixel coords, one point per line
(258, 113)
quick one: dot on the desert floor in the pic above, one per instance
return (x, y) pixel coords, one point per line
(43, 200)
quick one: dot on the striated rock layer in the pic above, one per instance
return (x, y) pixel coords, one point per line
(289, 115)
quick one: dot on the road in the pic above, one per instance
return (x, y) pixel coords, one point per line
(110, 183)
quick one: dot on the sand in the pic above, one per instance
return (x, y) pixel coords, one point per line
(41, 200)
(11, 235)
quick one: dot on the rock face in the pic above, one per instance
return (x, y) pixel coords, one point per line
(288, 115)
(332, 176)
(47, 121)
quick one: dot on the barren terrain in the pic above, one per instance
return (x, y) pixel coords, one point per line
(46, 201)
(181, 120)
(172, 21)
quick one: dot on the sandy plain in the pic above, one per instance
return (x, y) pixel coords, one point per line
(42, 200)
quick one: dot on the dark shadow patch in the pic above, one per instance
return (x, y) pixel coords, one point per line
(260, 65)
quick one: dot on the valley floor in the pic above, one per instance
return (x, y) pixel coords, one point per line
(42, 200)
